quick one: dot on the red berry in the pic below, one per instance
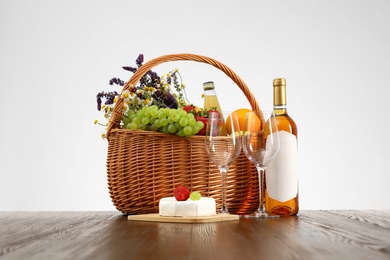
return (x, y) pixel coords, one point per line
(205, 122)
(189, 109)
(216, 113)
(217, 122)
(181, 193)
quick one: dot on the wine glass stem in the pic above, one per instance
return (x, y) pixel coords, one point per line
(261, 173)
(223, 171)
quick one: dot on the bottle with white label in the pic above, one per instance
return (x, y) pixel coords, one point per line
(281, 196)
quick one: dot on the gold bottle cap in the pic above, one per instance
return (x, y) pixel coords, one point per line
(280, 82)
(280, 92)
(208, 85)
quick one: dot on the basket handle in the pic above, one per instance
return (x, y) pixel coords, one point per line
(116, 115)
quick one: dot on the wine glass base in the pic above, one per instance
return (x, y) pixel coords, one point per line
(259, 214)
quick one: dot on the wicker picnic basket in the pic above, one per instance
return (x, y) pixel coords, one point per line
(145, 166)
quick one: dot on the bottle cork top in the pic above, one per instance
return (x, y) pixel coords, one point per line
(280, 82)
(280, 92)
(208, 85)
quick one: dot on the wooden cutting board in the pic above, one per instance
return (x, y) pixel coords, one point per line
(157, 218)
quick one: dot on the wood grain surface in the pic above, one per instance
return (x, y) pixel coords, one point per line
(346, 234)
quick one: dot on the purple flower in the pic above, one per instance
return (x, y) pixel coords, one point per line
(117, 81)
(109, 96)
(99, 103)
(128, 68)
(139, 60)
(170, 100)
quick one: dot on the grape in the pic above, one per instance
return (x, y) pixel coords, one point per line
(163, 121)
(190, 115)
(167, 111)
(196, 129)
(145, 120)
(187, 130)
(126, 121)
(153, 128)
(141, 127)
(161, 114)
(178, 126)
(136, 120)
(195, 195)
(182, 113)
(157, 123)
(172, 112)
(183, 121)
(180, 133)
(200, 124)
(154, 113)
(133, 126)
(172, 128)
(165, 129)
(191, 121)
(132, 117)
(130, 113)
(175, 117)
(140, 114)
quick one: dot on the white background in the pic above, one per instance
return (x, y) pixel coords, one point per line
(55, 56)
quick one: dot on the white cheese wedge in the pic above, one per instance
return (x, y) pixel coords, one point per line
(189, 208)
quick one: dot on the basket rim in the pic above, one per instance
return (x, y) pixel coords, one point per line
(155, 134)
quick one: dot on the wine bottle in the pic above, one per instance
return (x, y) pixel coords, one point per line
(281, 196)
(211, 101)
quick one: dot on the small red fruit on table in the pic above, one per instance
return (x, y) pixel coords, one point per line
(181, 193)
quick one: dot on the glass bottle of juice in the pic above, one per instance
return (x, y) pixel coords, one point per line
(211, 101)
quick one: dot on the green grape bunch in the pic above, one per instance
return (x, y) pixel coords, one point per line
(164, 120)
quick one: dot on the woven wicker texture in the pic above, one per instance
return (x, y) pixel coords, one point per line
(145, 166)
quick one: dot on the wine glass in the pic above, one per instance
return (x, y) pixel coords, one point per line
(223, 145)
(260, 142)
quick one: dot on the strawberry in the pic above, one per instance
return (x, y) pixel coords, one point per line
(215, 111)
(205, 122)
(204, 116)
(181, 193)
(190, 109)
(217, 116)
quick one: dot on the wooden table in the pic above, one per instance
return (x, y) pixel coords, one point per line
(346, 234)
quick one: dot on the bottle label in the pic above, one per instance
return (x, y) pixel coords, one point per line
(282, 173)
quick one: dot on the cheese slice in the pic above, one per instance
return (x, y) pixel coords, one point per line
(189, 208)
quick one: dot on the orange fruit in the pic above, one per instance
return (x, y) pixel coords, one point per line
(241, 115)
